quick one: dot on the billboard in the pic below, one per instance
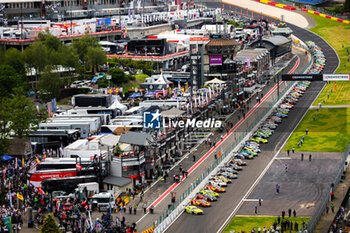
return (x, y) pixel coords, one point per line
(336, 77)
(302, 77)
(215, 60)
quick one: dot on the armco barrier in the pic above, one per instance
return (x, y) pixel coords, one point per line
(321, 206)
(177, 208)
(170, 215)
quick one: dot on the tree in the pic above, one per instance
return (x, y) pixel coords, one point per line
(118, 76)
(49, 85)
(14, 58)
(95, 56)
(36, 56)
(17, 115)
(81, 46)
(50, 41)
(9, 80)
(347, 6)
(49, 225)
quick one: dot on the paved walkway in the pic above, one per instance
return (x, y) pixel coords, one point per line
(326, 219)
(331, 106)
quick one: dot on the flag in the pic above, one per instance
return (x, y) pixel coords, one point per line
(40, 190)
(19, 196)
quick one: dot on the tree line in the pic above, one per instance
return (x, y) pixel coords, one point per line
(18, 112)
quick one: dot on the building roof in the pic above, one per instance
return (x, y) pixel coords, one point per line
(117, 181)
(137, 138)
(253, 54)
(173, 112)
(277, 40)
(217, 42)
(19, 146)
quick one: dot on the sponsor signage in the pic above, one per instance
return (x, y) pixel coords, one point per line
(215, 60)
(302, 77)
(315, 77)
(336, 77)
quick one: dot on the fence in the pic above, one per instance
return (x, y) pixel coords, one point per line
(325, 196)
(177, 208)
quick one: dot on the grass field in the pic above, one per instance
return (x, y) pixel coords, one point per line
(339, 95)
(336, 34)
(328, 133)
(246, 223)
(139, 78)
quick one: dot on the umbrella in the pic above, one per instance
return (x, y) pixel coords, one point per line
(135, 95)
(6, 157)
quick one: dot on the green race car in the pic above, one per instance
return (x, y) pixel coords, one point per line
(259, 140)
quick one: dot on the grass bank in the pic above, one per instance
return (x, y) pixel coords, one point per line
(336, 34)
(246, 223)
(329, 132)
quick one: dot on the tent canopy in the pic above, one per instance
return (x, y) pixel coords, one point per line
(215, 81)
(6, 157)
(172, 113)
(135, 95)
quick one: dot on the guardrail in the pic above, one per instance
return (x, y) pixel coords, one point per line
(326, 194)
(177, 208)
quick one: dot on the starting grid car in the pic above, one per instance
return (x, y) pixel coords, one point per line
(249, 150)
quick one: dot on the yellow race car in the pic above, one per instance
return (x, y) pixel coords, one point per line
(210, 192)
(193, 210)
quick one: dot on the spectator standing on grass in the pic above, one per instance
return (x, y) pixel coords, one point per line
(328, 95)
(293, 150)
(283, 214)
(301, 142)
(313, 117)
(289, 212)
(294, 213)
(298, 144)
(306, 131)
(303, 138)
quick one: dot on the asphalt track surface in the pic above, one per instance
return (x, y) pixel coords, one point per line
(215, 216)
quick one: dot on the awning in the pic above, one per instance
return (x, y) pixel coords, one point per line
(215, 81)
(117, 181)
(137, 138)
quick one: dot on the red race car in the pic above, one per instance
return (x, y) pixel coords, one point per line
(200, 202)
(215, 188)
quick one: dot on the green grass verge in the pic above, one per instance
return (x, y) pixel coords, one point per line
(338, 94)
(336, 34)
(139, 78)
(246, 223)
(328, 133)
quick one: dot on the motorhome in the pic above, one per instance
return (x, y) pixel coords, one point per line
(103, 201)
(84, 128)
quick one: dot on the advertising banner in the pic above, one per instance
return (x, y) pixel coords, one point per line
(215, 60)
(336, 77)
(302, 77)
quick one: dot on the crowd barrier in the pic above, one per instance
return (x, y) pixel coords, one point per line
(177, 208)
